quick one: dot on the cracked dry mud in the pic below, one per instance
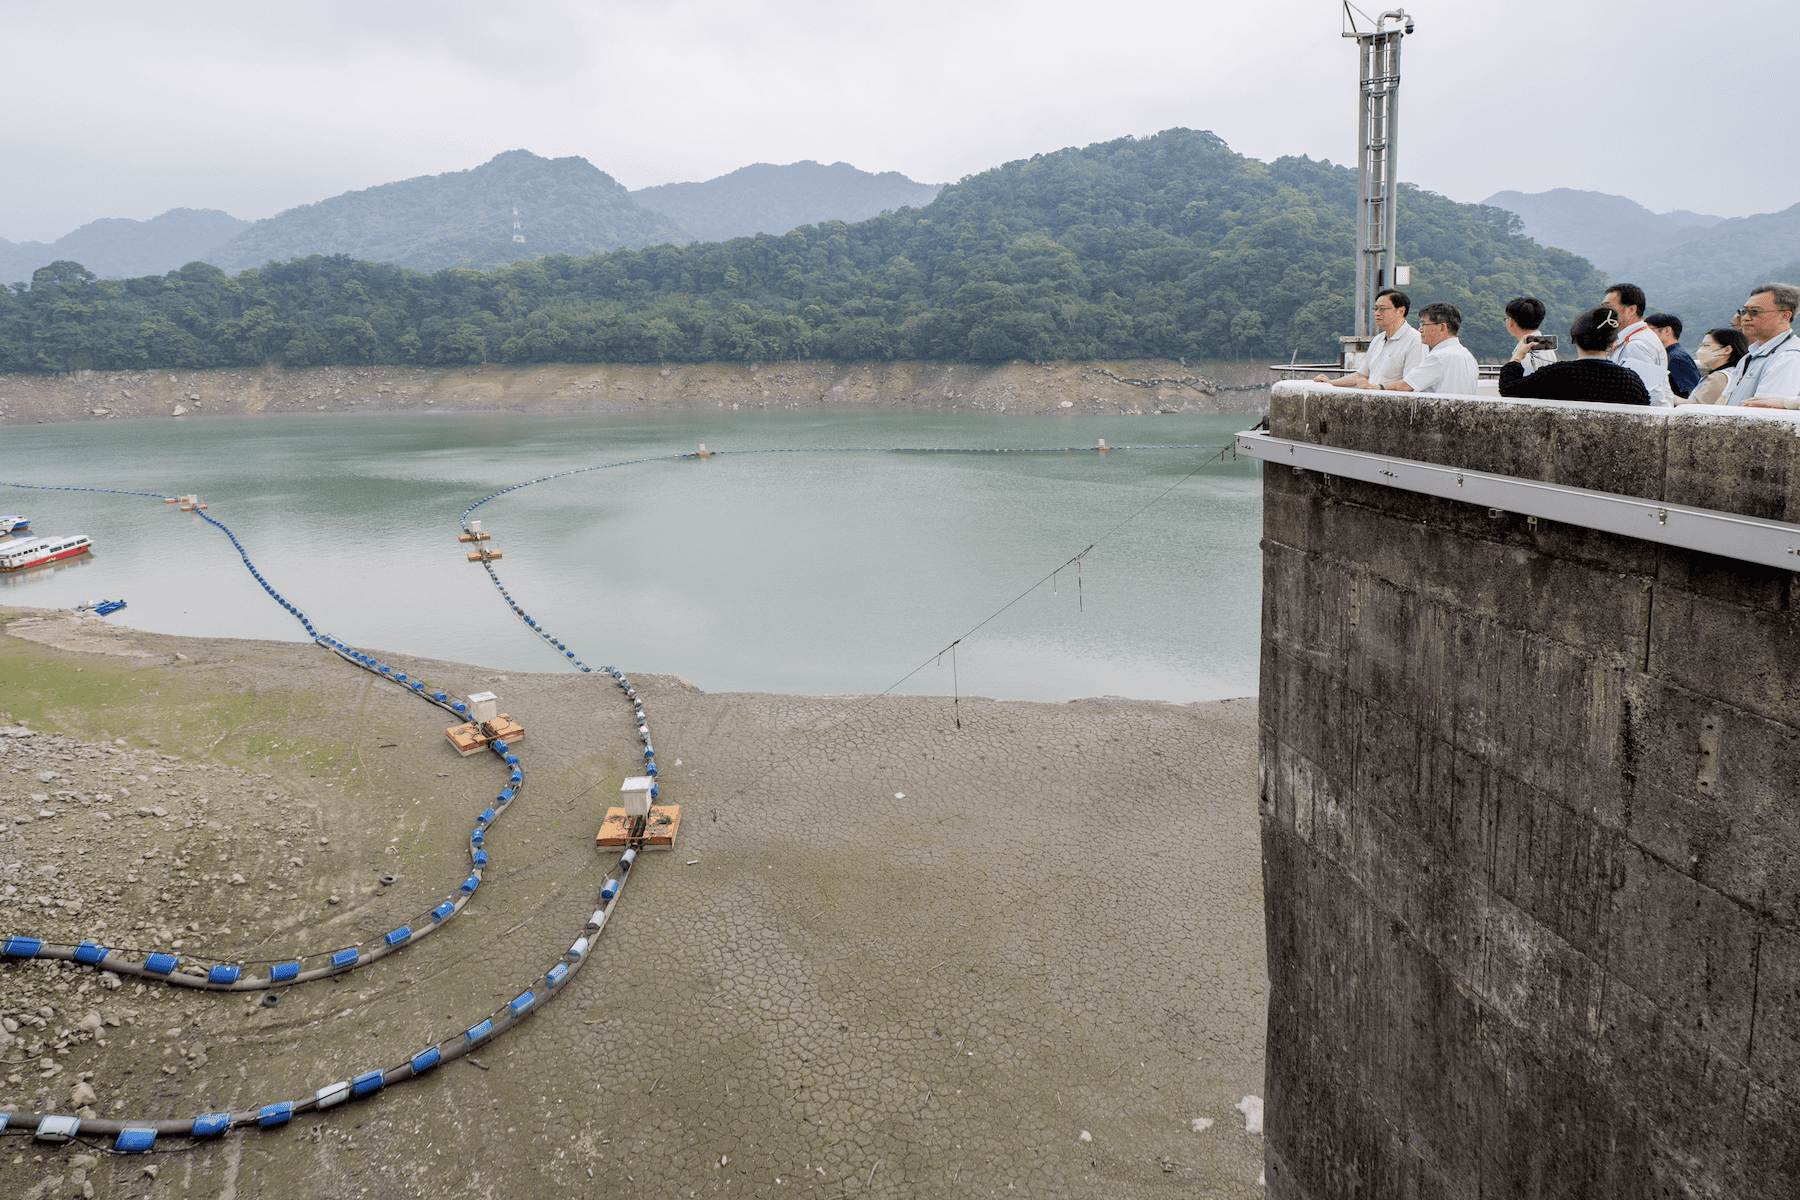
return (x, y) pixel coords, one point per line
(1039, 973)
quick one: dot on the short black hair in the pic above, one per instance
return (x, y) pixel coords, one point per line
(1665, 321)
(1448, 314)
(1400, 299)
(1630, 295)
(1527, 312)
(1595, 329)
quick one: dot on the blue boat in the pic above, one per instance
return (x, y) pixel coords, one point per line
(109, 606)
(14, 524)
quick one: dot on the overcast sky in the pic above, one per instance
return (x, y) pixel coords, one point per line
(126, 110)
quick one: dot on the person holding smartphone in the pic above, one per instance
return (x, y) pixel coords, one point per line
(1593, 377)
(1523, 317)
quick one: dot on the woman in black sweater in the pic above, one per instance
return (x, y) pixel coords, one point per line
(1592, 377)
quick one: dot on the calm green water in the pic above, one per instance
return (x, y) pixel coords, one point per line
(804, 573)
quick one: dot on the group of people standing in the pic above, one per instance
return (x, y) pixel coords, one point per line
(1622, 355)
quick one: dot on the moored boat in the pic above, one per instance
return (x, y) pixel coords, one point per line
(32, 552)
(14, 523)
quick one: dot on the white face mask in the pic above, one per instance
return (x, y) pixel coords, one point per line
(1709, 356)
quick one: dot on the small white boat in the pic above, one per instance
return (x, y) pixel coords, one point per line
(15, 523)
(34, 552)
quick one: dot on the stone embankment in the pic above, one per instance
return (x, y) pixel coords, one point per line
(1086, 388)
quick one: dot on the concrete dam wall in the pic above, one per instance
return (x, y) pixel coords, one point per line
(1530, 804)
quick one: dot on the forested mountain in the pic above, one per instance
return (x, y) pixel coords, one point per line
(461, 219)
(764, 198)
(1608, 231)
(1730, 256)
(119, 248)
(1165, 246)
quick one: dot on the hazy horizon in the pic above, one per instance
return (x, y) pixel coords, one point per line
(258, 110)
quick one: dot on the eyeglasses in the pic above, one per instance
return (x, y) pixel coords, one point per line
(1757, 312)
(1439, 324)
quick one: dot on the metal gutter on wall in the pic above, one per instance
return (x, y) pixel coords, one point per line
(1749, 539)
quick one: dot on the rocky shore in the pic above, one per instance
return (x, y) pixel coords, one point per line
(1103, 388)
(887, 957)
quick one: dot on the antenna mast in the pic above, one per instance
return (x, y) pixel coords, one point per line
(1377, 131)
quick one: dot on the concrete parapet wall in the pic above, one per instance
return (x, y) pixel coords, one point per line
(1530, 802)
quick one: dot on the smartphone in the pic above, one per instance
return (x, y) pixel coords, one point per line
(1541, 341)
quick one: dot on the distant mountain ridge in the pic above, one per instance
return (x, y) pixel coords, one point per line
(765, 198)
(121, 248)
(462, 219)
(1730, 256)
(1607, 230)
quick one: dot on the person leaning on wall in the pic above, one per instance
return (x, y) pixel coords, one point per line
(1593, 377)
(1637, 347)
(1393, 352)
(1768, 376)
(1524, 317)
(1447, 368)
(1684, 372)
(1718, 352)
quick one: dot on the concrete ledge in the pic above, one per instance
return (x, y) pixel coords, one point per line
(1531, 812)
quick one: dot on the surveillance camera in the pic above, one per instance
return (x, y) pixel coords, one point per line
(1409, 25)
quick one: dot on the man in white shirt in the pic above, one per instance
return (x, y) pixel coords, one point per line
(1769, 376)
(1447, 368)
(1638, 349)
(1393, 352)
(1524, 317)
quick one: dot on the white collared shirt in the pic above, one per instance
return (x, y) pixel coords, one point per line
(1536, 359)
(1447, 368)
(1390, 358)
(1771, 371)
(1641, 351)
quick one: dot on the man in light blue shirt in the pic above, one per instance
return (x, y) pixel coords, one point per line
(1769, 376)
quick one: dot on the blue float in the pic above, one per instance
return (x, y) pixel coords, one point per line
(161, 964)
(399, 935)
(134, 1141)
(345, 958)
(223, 974)
(368, 1081)
(424, 1060)
(210, 1124)
(281, 971)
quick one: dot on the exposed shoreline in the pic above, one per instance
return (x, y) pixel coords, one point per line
(1087, 388)
(1026, 952)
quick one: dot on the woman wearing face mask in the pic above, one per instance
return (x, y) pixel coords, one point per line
(1717, 353)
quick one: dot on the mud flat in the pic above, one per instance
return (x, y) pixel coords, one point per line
(888, 957)
(1139, 386)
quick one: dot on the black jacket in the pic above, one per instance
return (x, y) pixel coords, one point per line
(1594, 380)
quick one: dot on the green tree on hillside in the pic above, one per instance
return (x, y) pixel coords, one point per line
(1168, 246)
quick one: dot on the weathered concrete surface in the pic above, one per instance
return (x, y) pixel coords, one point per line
(1087, 388)
(825, 991)
(1531, 816)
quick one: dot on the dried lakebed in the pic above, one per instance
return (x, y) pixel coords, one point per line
(888, 956)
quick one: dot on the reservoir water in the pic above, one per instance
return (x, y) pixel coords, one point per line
(805, 573)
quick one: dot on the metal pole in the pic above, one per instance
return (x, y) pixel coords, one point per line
(1392, 212)
(1364, 301)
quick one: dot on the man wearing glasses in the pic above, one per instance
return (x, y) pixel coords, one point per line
(1769, 376)
(1447, 368)
(1638, 348)
(1393, 352)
